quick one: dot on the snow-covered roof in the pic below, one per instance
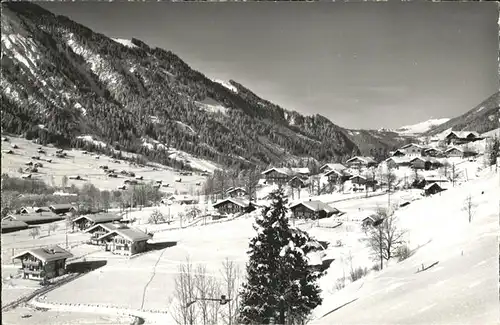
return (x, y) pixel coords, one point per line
(454, 148)
(316, 206)
(109, 226)
(411, 145)
(235, 189)
(134, 235)
(288, 171)
(52, 253)
(463, 134)
(425, 159)
(399, 160)
(435, 178)
(238, 201)
(334, 166)
(99, 218)
(441, 185)
(363, 159)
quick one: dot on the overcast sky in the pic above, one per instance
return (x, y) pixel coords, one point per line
(363, 65)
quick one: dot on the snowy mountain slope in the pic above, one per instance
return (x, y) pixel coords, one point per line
(111, 88)
(421, 127)
(462, 288)
(482, 118)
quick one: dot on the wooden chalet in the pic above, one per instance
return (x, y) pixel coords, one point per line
(35, 218)
(358, 179)
(368, 221)
(399, 153)
(460, 137)
(236, 192)
(13, 225)
(358, 161)
(43, 263)
(397, 161)
(62, 208)
(332, 166)
(433, 152)
(454, 152)
(99, 230)
(86, 221)
(125, 241)
(312, 210)
(279, 176)
(430, 179)
(412, 149)
(434, 188)
(234, 205)
(335, 175)
(426, 163)
(8, 151)
(297, 182)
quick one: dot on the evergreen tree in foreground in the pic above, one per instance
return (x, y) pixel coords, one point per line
(280, 285)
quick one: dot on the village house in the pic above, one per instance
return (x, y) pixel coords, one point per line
(9, 225)
(125, 241)
(35, 218)
(234, 205)
(426, 163)
(332, 166)
(90, 220)
(369, 221)
(179, 199)
(460, 137)
(278, 176)
(236, 192)
(43, 263)
(336, 176)
(62, 208)
(454, 152)
(26, 210)
(397, 161)
(429, 179)
(412, 149)
(434, 188)
(297, 182)
(433, 152)
(399, 153)
(99, 230)
(358, 162)
(312, 210)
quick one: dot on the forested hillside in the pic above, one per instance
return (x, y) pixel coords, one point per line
(62, 81)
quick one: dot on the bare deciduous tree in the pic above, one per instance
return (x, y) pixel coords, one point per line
(469, 207)
(184, 311)
(156, 217)
(231, 282)
(34, 232)
(52, 227)
(385, 238)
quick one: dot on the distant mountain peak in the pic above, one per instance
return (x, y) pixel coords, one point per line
(421, 127)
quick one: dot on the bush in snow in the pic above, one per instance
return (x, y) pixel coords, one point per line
(156, 217)
(358, 273)
(402, 253)
(280, 284)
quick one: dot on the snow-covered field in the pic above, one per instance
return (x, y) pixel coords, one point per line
(13, 317)
(461, 289)
(87, 166)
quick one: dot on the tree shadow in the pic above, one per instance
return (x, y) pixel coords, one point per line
(334, 310)
(162, 245)
(87, 266)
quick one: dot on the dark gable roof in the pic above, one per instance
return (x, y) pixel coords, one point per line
(100, 217)
(241, 202)
(48, 254)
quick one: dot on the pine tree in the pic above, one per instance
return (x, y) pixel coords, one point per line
(280, 285)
